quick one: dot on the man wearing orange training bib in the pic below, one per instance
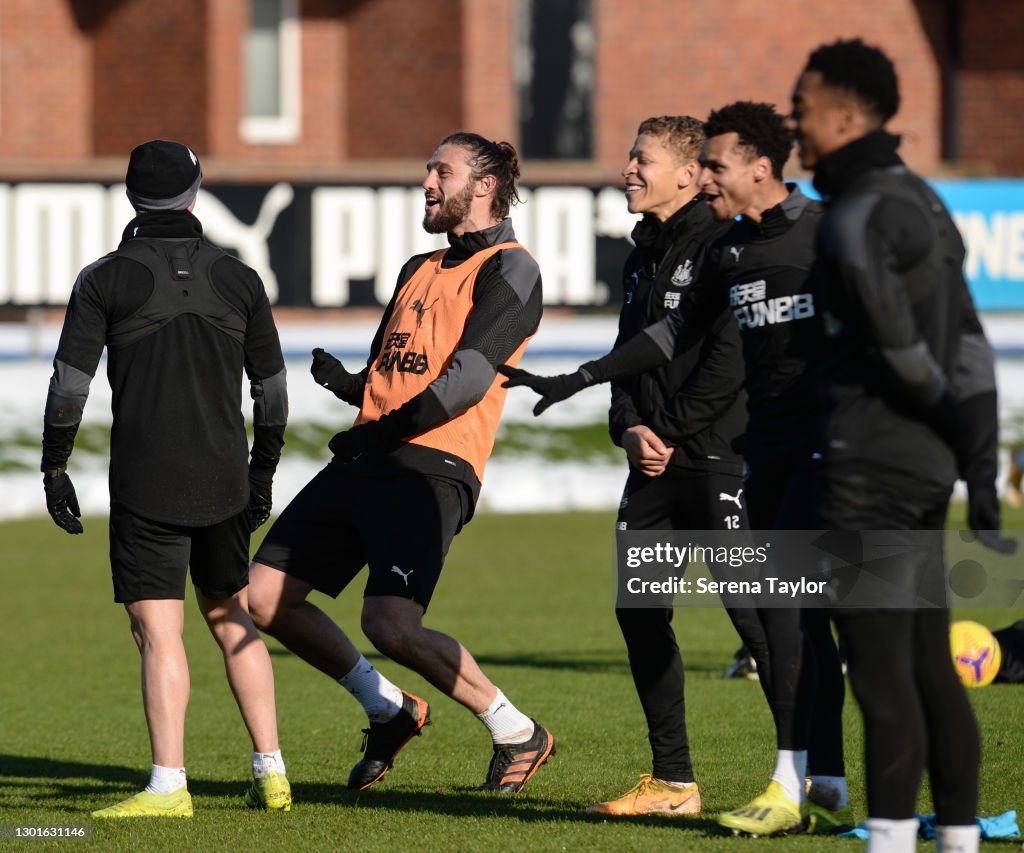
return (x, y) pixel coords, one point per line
(405, 478)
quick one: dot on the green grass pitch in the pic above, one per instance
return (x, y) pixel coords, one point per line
(531, 596)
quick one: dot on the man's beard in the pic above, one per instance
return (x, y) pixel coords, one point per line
(454, 210)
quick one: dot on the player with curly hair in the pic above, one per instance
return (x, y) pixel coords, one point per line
(405, 478)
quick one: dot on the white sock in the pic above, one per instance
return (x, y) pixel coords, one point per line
(379, 697)
(891, 836)
(682, 786)
(790, 769)
(165, 780)
(957, 839)
(830, 792)
(505, 722)
(267, 762)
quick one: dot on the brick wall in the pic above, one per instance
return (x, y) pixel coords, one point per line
(991, 123)
(81, 81)
(664, 56)
(490, 98)
(45, 82)
(149, 75)
(404, 76)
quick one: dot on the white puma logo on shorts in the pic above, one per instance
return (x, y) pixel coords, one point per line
(722, 496)
(405, 575)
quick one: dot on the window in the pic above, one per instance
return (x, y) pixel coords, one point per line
(272, 92)
(555, 65)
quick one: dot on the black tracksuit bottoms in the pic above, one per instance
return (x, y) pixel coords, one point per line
(696, 500)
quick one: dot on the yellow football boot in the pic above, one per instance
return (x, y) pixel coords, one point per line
(652, 796)
(770, 813)
(271, 792)
(144, 804)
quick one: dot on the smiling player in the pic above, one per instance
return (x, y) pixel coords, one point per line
(405, 478)
(677, 425)
(759, 269)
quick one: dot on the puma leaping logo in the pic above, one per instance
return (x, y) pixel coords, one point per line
(722, 496)
(405, 575)
(736, 252)
(250, 241)
(421, 309)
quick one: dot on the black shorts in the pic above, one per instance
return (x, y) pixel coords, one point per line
(150, 559)
(401, 526)
(698, 500)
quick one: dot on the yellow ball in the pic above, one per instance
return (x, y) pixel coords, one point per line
(976, 653)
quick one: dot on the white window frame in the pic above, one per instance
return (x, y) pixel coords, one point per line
(285, 127)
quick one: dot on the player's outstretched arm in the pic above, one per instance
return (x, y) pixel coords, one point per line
(552, 389)
(640, 353)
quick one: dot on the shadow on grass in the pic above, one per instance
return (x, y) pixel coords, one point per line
(35, 782)
(55, 780)
(601, 662)
(466, 802)
(596, 662)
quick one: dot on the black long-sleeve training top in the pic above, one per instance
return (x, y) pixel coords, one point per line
(905, 345)
(760, 272)
(180, 320)
(695, 402)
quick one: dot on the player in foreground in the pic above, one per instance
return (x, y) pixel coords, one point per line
(405, 478)
(180, 320)
(759, 269)
(677, 426)
(909, 385)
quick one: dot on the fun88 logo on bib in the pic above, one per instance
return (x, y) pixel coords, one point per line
(753, 310)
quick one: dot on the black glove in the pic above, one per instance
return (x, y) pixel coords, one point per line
(261, 482)
(61, 500)
(331, 373)
(553, 389)
(983, 518)
(349, 445)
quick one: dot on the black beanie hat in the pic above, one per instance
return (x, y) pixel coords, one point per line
(162, 175)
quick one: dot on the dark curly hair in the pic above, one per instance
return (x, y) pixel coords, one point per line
(761, 129)
(863, 71)
(491, 158)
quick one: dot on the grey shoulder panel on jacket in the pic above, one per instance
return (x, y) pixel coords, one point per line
(521, 271)
(88, 269)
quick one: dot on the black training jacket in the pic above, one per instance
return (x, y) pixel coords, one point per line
(905, 342)
(695, 401)
(180, 320)
(760, 272)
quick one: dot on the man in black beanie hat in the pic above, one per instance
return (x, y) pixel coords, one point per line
(162, 175)
(180, 320)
